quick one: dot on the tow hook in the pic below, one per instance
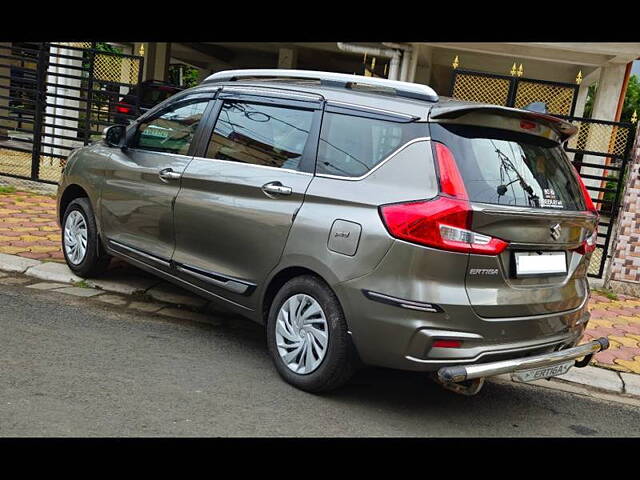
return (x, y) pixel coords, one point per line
(468, 387)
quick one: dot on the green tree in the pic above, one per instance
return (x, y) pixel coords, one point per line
(189, 75)
(631, 99)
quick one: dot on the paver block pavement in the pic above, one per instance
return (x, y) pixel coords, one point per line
(28, 226)
(619, 321)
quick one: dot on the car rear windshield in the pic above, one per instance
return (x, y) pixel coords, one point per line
(509, 168)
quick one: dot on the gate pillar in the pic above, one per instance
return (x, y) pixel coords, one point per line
(63, 98)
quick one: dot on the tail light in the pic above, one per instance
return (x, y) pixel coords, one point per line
(444, 222)
(589, 245)
(123, 108)
(585, 193)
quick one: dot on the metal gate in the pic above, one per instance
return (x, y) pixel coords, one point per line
(518, 92)
(54, 98)
(600, 149)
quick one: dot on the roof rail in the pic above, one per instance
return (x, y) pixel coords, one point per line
(401, 89)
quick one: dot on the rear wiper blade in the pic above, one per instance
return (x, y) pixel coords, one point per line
(502, 189)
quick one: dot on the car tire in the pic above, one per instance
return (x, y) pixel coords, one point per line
(339, 359)
(79, 225)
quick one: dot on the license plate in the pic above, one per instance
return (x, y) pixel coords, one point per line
(543, 263)
(542, 372)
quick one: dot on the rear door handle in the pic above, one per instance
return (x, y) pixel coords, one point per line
(276, 188)
(167, 174)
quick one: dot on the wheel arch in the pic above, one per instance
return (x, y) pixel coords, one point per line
(280, 278)
(71, 192)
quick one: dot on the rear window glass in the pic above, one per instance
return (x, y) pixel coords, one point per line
(509, 168)
(351, 146)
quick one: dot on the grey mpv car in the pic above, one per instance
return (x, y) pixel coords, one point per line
(362, 221)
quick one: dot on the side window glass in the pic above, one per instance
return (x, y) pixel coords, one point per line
(260, 134)
(173, 131)
(351, 146)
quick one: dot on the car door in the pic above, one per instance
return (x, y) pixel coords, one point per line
(142, 180)
(241, 193)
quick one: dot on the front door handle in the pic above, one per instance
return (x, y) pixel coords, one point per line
(276, 188)
(167, 174)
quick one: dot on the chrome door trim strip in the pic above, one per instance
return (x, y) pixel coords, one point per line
(379, 165)
(148, 256)
(241, 287)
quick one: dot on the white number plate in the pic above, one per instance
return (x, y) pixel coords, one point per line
(546, 263)
(542, 372)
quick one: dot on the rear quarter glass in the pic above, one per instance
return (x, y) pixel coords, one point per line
(502, 167)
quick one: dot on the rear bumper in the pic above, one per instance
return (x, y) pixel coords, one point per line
(461, 373)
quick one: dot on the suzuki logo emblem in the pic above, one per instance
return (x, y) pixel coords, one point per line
(555, 231)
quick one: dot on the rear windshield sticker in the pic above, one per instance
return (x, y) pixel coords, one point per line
(550, 199)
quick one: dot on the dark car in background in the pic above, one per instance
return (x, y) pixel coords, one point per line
(150, 93)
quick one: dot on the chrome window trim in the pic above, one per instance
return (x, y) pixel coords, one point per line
(272, 92)
(142, 150)
(252, 165)
(379, 165)
(372, 109)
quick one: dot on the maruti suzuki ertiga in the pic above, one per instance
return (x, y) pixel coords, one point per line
(360, 220)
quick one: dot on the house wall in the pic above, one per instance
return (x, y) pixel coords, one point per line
(624, 274)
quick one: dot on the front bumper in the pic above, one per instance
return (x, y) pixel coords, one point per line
(460, 373)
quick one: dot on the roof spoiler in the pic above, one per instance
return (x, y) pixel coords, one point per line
(562, 128)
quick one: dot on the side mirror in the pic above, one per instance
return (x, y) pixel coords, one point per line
(114, 135)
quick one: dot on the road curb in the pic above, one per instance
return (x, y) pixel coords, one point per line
(163, 299)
